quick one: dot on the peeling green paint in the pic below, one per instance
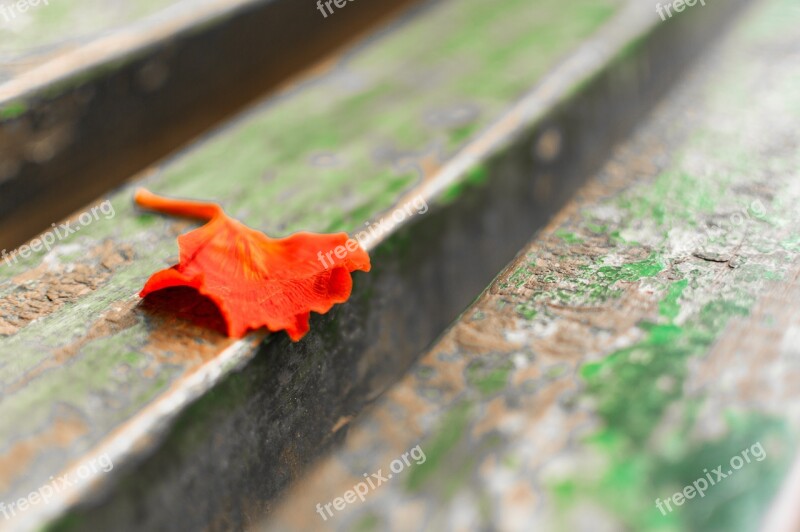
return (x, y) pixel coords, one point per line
(475, 177)
(527, 310)
(653, 371)
(632, 389)
(488, 377)
(600, 283)
(669, 307)
(450, 432)
(367, 523)
(569, 238)
(13, 110)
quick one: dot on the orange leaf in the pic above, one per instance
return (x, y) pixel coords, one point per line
(256, 281)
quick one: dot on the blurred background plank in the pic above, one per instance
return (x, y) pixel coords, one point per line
(86, 101)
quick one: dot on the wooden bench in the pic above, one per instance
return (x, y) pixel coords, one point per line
(635, 367)
(495, 131)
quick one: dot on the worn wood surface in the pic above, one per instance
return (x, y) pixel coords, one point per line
(39, 32)
(85, 367)
(649, 334)
(97, 101)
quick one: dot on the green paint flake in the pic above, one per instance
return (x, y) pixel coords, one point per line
(596, 283)
(461, 135)
(527, 310)
(569, 238)
(674, 196)
(633, 372)
(13, 110)
(518, 278)
(597, 229)
(792, 244)
(630, 272)
(453, 427)
(488, 378)
(668, 307)
(475, 177)
(367, 523)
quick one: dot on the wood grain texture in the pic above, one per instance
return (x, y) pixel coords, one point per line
(649, 333)
(45, 32)
(81, 359)
(81, 116)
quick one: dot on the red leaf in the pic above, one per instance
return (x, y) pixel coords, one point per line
(255, 281)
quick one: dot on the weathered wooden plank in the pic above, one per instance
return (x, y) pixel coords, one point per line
(89, 359)
(98, 100)
(645, 337)
(32, 32)
(125, 371)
